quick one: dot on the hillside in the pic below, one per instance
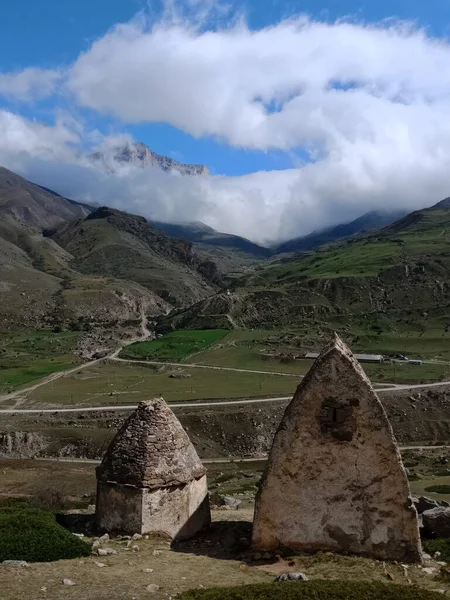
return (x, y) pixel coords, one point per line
(368, 221)
(394, 280)
(34, 205)
(92, 265)
(115, 244)
(230, 252)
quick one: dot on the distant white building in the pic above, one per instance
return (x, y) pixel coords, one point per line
(372, 358)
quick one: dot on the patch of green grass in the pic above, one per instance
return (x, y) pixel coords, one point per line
(35, 536)
(438, 489)
(36, 354)
(314, 590)
(439, 545)
(174, 346)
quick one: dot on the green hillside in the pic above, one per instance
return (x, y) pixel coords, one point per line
(392, 284)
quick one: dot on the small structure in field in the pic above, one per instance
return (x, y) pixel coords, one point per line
(151, 479)
(366, 358)
(335, 479)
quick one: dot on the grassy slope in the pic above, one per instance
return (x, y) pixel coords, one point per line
(124, 246)
(387, 292)
(26, 357)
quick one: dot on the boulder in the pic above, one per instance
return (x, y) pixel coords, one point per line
(228, 501)
(436, 522)
(422, 503)
(15, 563)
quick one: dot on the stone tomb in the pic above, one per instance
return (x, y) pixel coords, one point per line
(151, 479)
(335, 479)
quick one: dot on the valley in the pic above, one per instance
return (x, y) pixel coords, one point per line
(102, 310)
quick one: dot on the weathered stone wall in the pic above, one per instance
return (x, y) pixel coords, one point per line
(118, 508)
(334, 479)
(179, 512)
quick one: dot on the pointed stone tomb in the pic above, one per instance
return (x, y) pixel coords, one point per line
(335, 479)
(151, 479)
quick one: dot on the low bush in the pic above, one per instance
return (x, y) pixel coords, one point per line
(439, 489)
(35, 536)
(439, 545)
(315, 590)
(50, 496)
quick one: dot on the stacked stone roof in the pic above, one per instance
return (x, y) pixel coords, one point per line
(151, 450)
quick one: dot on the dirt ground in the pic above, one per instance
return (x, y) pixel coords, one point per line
(219, 557)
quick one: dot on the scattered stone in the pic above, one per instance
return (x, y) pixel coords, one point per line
(291, 577)
(228, 501)
(104, 538)
(429, 570)
(147, 570)
(426, 556)
(106, 551)
(135, 548)
(423, 503)
(156, 552)
(95, 544)
(437, 555)
(100, 564)
(436, 522)
(80, 535)
(136, 536)
(257, 556)
(68, 582)
(43, 588)
(15, 563)
(152, 588)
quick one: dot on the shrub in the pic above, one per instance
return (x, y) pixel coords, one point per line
(51, 496)
(439, 545)
(439, 489)
(35, 536)
(315, 590)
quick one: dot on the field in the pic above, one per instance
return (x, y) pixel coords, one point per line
(174, 346)
(30, 356)
(123, 383)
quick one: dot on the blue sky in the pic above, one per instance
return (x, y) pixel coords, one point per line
(52, 33)
(307, 114)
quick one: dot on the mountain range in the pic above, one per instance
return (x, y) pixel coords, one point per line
(64, 261)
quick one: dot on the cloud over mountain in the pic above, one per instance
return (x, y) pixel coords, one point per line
(369, 104)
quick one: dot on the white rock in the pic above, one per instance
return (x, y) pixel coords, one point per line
(106, 551)
(137, 536)
(147, 570)
(429, 570)
(15, 563)
(104, 538)
(426, 556)
(68, 582)
(95, 544)
(80, 535)
(156, 552)
(135, 548)
(100, 564)
(152, 588)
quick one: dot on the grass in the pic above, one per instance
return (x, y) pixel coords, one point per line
(175, 346)
(122, 383)
(439, 545)
(31, 356)
(33, 535)
(314, 590)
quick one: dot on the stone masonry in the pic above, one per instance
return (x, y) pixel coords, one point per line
(151, 479)
(334, 479)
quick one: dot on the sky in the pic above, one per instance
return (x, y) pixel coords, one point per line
(306, 113)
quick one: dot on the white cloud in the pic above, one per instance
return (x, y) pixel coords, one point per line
(371, 103)
(29, 84)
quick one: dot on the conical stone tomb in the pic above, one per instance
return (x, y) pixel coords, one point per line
(151, 479)
(335, 479)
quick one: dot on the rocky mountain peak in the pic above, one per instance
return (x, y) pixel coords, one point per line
(140, 155)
